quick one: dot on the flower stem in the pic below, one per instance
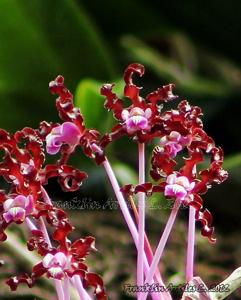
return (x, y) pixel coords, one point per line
(46, 196)
(44, 231)
(190, 244)
(62, 293)
(129, 221)
(79, 286)
(59, 289)
(30, 224)
(148, 249)
(161, 245)
(66, 288)
(57, 283)
(141, 223)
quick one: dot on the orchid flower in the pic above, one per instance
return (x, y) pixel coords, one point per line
(18, 208)
(67, 133)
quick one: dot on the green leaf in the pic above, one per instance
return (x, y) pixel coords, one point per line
(91, 103)
(39, 41)
(232, 161)
(125, 174)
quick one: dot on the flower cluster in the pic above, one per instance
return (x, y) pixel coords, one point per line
(176, 130)
(26, 201)
(24, 168)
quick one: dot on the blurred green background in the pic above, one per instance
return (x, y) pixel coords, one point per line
(194, 44)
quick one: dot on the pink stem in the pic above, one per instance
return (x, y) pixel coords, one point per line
(46, 196)
(59, 289)
(30, 224)
(58, 283)
(130, 222)
(161, 246)
(66, 288)
(44, 230)
(79, 287)
(62, 293)
(77, 281)
(148, 249)
(141, 223)
(190, 244)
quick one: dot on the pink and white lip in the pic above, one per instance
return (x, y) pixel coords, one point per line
(67, 133)
(56, 264)
(18, 208)
(137, 119)
(175, 141)
(178, 187)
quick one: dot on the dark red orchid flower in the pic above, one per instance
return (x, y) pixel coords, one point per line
(72, 133)
(59, 263)
(140, 120)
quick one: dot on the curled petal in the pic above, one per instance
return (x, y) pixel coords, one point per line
(16, 280)
(128, 189)
(37, 242)
(69, 178)
(112, 101)
(163, 94)
(191, 115)
(95, 281)
(196, 202)
(206, 219)
(82, 247)
(38, 270)
(117, 132)
(33, 155)
(148, 188)
(201, 141)
(45, 128)
(90, 143)
(217, 155)
(131, 90)
(58, 219)
(64, 103)
(162, 164)
(189, 169)
(214, 174)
